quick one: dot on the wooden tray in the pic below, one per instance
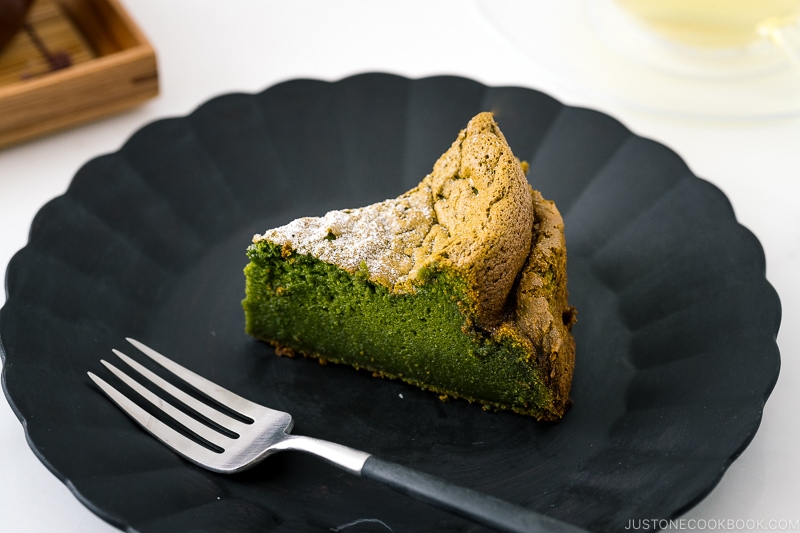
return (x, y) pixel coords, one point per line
(75, 61)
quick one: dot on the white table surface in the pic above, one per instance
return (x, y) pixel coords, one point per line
(208, 48)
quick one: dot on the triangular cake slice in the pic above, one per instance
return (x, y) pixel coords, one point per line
(458, 286)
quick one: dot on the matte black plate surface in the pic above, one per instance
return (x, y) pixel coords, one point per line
(676, 332)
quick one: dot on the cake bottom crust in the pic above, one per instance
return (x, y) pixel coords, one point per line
(444, 395)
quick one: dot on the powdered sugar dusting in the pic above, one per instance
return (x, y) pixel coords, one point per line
(383, 236)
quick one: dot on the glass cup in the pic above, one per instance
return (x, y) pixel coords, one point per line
(722, 24)
(719, 59)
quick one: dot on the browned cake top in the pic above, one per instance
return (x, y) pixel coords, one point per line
(473, 214)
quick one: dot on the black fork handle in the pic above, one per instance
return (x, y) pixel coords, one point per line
(480, 508)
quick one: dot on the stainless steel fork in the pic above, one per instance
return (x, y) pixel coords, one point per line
(267, 431)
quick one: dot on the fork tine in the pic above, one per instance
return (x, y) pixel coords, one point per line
(209, 388)
(183, 445)
(200, 429)
(200, 407)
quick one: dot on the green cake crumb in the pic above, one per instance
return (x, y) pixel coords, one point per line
(457, 287)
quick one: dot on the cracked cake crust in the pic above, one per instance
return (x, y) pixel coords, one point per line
(473, 214)
(475, 219)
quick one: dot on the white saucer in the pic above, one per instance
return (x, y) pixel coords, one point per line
(597, 48)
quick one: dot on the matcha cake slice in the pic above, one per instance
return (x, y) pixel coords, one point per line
(458, 286)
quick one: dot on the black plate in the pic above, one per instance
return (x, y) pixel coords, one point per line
(676, 333)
